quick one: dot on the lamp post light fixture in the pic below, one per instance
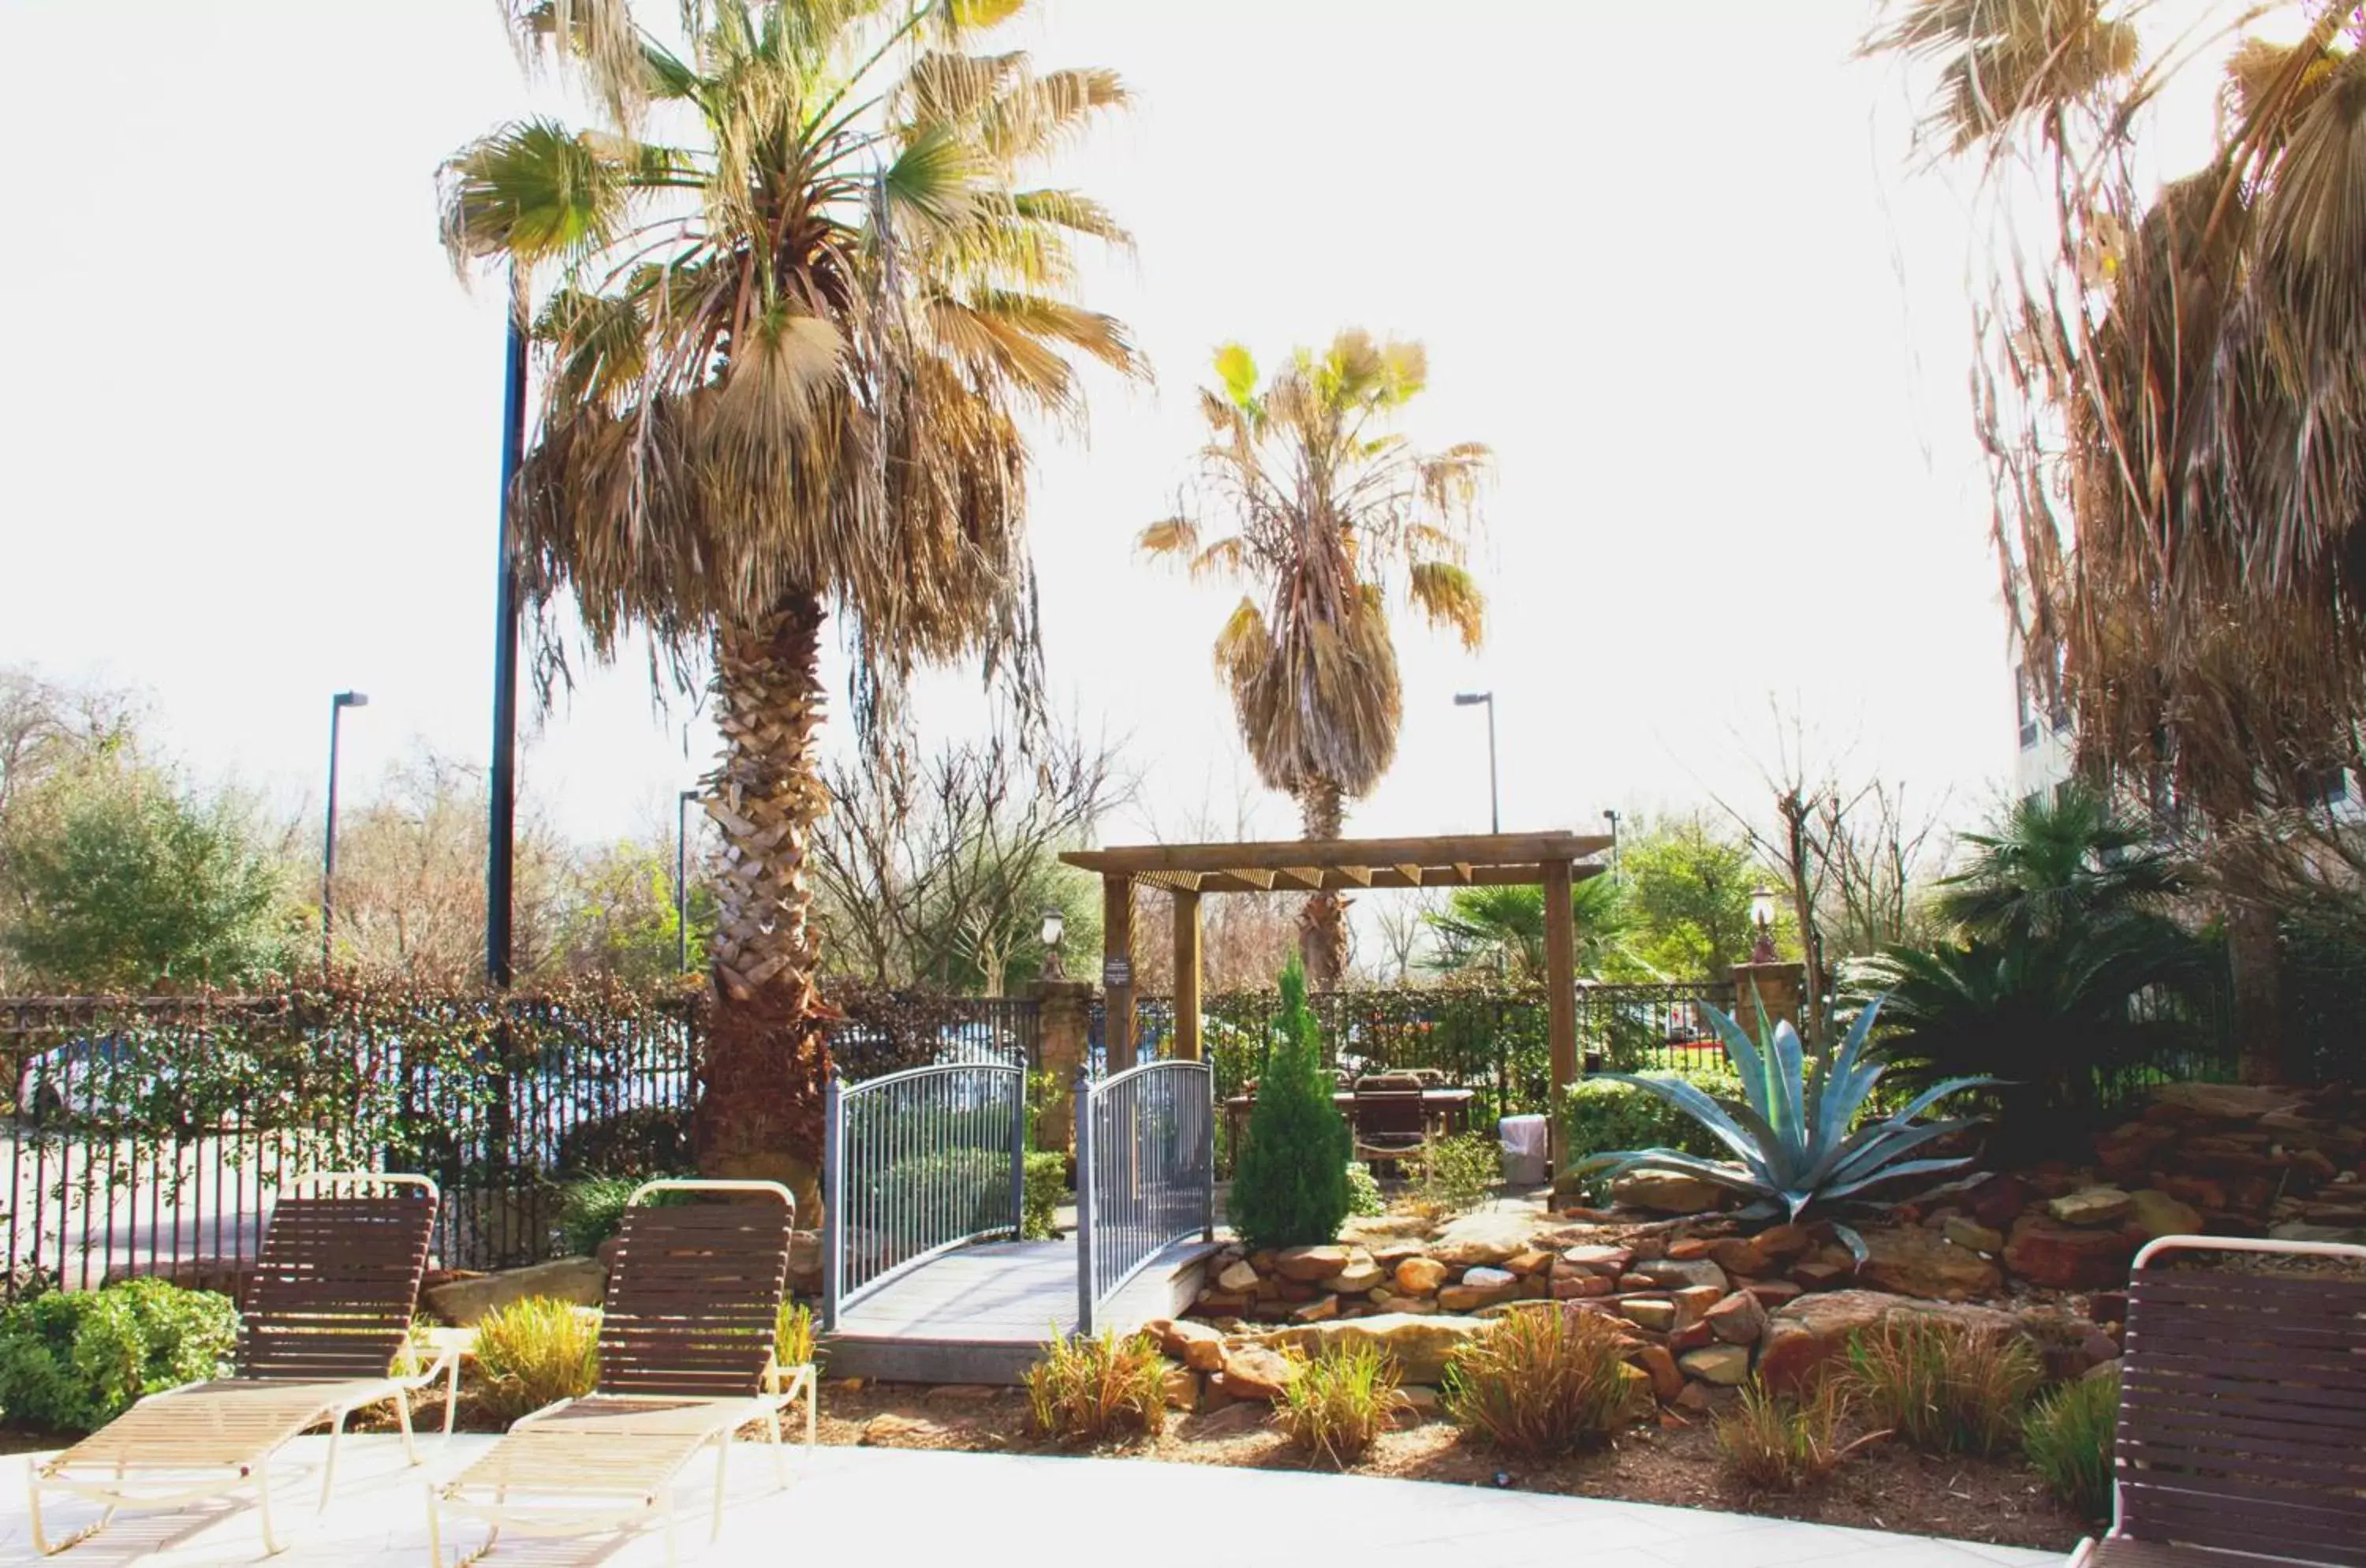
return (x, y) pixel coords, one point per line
(681, 880)
(337, 707)
(1054, 933)
(1762, 915)
(1495, 798)
(1612, 817)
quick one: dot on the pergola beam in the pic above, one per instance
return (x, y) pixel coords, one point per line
(1329, 854)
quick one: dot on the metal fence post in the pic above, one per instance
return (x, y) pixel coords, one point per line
(1208, 1158)
(1084, 1202)
(833, 1188)
(1018, 1154)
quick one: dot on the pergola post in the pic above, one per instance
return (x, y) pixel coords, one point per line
(1561, 991)
(1187, 975)
(1116, 969)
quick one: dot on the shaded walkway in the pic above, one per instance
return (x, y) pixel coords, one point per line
(890, 1506)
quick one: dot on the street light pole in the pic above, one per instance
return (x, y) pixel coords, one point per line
(1494, 797)
(682, 879)
(337, 707)
(1612, 817)
(501, 839)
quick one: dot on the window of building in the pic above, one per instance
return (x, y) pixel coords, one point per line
(2025, 705)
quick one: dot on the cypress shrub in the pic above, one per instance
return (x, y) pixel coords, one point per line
(1290, 1185)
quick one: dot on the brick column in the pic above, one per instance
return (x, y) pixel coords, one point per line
(1063, 1018)
(1776, 986)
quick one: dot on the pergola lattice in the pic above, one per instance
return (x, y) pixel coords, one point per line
(1301, 865)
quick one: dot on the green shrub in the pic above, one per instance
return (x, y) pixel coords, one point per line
(1339, 1402)
(1364, 1191)
(2067, 1436)
(1943, 1388)
(1047, 1183)
(1457, 1174)
(73, 1362)
(535, 1351)
(1087, 1386)
(1542, 1382)
(1290, 1185)
(1601, 1114)
(1780, 1444)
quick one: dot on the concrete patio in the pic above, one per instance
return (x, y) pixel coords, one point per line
(878, 1505)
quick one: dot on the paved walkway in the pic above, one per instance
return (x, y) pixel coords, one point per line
(854, 1506)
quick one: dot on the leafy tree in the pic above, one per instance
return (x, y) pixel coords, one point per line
(125, 882)
(619, 917)
(793, 359)
(1691, 898)
(1331, 519)
(1290, 1185)
(1503, 929)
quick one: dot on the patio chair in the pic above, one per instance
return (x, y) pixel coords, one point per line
(1391, 1118)
(327, 1313)
(686, 1359)
(2242, 1430)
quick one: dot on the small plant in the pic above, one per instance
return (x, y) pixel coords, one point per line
(1046, 1184)
(1364, 1191)
(1791, 1129)
(1542, 1382)
(535, 1351)
(1943, 1388)
(73, 1362)
(793, 1334)
(1457, 1174)
(1598, 1114)
(1087, 1386)
(1773, 1443)
(2067, 1436)
(1339, 1402)
(1290, 1185)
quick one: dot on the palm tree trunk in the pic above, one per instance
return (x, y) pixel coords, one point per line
(767, 1055)
(2256, 963)
(1322, 924)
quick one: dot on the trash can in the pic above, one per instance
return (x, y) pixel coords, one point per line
(1524, 1142)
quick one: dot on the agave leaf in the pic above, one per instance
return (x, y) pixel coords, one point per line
(1854, 1243)
(1862, 1155)
(1938, 1092)
(1684, 1097)
(1895, 1172)
(1787, 1072)
(1744, 1054)
(1683, 1164)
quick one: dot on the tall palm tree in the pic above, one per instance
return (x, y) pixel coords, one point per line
(1330, 518)
(2173, 398)
(795, 299)
(2057, 865)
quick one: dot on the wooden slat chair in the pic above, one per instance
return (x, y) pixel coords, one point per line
(2242, 1428)
(327, 1312)
(686, 1359)
(1391, 1118)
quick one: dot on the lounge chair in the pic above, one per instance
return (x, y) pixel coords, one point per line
(686, 1359)
(1391, 1119)
(2242, 1430)
(327, 1313)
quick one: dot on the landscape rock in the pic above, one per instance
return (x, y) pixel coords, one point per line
(1238, 1278)
(1307, 1264)
(1196, 1345)
(1490, 1237)
(1657, 1314)
(1419, 1343)
(1666, 1192)
(1814, 1275)
(1416, 1402)
(1813, 1332)
(1774, 1293)
(1360, 1275)
(1319, 1310)
(1256, 1371)
(1996, 1201)
(1676, 1273)
(1723, 1365)
(1969, 1233)
(1182, 1387)
(1389, 1301)
(1916, 1262)
(1783, 1241)
(576, 1281)
(804, 1263)
(1692, 1302)
(1740, 1319)
(1533, 1261)
(1234, 1421)
(2153, 1213)
(2094, 1206)
(1599, 1259)
(1659, 1365)
(1579, 1286)
(1469, 1297)
(2068, 1257)
(1421, 1276)
(1741, 1255)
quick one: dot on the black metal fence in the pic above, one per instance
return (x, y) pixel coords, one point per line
(149, 1135)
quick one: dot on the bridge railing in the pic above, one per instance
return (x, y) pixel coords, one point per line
(1145, 1172)
(915, 1163)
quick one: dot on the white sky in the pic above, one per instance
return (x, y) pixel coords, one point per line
(1678, 277)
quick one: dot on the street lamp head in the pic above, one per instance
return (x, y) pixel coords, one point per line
(1055, 925)
(1762, 906)
(353, 699)
(689, 795)
(1472, 699)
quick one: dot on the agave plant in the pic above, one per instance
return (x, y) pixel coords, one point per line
(1791, 1129)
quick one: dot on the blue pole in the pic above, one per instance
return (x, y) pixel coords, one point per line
(501, 842)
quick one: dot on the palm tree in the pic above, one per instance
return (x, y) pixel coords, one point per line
(789, 350)
(2173, 397)
(2057, 865)
(1503, 929)
(1330, 518)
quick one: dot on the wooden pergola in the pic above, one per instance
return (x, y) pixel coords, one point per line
(1312, 865)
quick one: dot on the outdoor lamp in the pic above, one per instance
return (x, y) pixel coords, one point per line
(1762, 915)
(1055, 929)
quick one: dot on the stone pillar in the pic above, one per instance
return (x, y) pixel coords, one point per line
(1775, 987)
(1064, 1020)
